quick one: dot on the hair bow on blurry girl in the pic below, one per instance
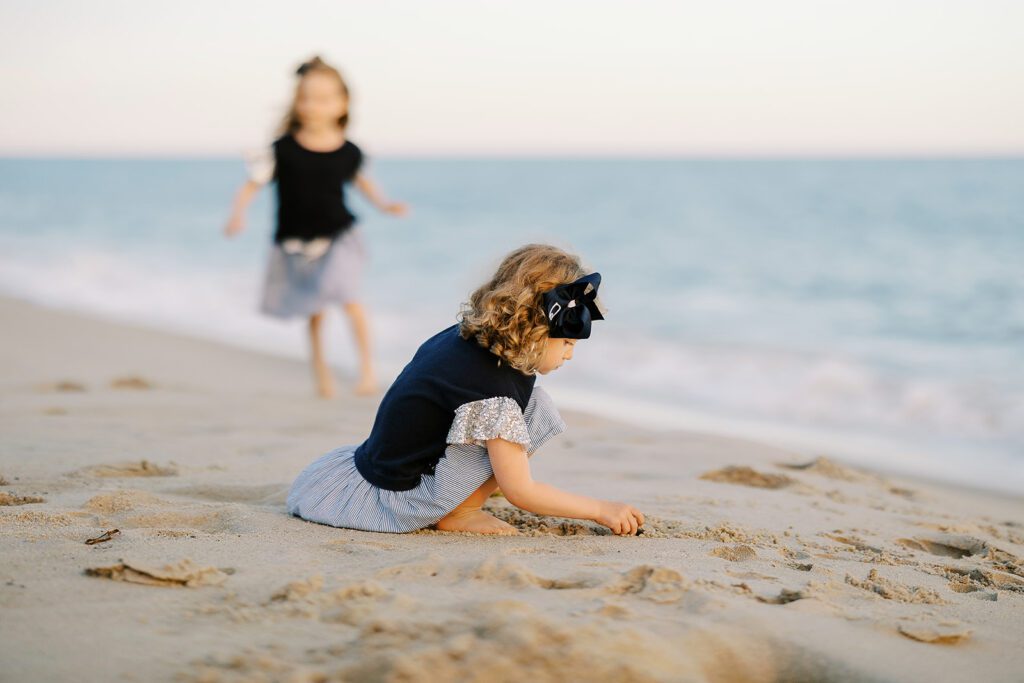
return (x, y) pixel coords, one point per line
(570, 308)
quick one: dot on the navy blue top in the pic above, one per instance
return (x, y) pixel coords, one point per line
(310, 189)
(410, 431)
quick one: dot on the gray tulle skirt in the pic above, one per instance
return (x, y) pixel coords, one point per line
(296, 285)
(332, 491)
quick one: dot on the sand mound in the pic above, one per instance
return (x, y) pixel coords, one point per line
(36, 518)
(941, 633)
(891, 590)
(142, 468)
(734, 553)
(13, 499)
(746, 476)
(824, 467)
(297, 590)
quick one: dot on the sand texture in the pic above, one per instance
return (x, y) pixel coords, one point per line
(174, 457)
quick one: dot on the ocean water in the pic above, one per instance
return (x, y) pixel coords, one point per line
(872, 310)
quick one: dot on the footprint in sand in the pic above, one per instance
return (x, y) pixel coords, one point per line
(947, 545)
(142, 510)
(658, 584)
(893, 590)
(142, 468)
(62, 386)
(131, 382)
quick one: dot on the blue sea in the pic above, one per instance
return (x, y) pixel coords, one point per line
(871, 310)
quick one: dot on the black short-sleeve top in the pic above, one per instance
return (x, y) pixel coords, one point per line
(310, 187)
(452, 391)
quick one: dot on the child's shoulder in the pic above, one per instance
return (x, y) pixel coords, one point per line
(464, 362)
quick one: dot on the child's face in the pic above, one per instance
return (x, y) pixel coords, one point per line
(320, 100)
(556, 352)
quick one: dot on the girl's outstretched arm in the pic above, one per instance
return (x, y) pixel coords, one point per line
(372, 193)
(512, 472)
(245, 195)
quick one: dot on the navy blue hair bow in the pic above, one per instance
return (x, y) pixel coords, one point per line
(571, 307)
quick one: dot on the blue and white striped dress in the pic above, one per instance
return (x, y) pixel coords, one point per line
(332, 491)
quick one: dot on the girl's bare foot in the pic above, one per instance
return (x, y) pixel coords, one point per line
(476, 521)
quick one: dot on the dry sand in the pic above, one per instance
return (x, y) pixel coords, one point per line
(750, 569)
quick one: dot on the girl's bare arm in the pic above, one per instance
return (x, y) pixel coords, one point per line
(512, 472)
(372, 193)
(244, 197)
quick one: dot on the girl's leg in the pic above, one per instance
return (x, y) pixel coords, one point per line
(469, 517)
(367, 383)
(321, 372)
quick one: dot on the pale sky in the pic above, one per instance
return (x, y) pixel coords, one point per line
(550, 77)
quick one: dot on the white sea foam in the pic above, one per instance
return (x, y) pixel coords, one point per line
(936, 426)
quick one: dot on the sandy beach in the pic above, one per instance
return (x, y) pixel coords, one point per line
(757, 564)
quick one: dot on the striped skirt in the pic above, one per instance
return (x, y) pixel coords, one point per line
(296, 285)
(332, 491)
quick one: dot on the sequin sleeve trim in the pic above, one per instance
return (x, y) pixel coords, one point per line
(259, 165)
(490, 418)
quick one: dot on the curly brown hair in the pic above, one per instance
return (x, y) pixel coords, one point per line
(505, 314)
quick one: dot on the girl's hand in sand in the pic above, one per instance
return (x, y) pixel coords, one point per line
(622, 519)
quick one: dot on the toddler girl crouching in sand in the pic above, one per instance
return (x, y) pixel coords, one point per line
(463, 417)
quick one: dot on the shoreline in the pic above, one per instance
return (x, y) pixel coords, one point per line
(844, 444)
(750, 569)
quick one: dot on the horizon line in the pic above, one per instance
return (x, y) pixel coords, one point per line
(508, 156)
